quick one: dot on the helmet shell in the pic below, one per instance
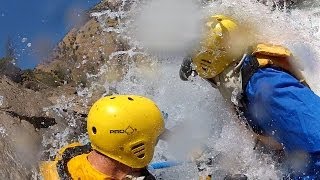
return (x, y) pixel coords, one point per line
(125, 128)
(220, 46)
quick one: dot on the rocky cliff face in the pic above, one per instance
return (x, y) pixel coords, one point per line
(52, 100)
(36, 108)
(10, 70)
(84, 50)
(22, 115)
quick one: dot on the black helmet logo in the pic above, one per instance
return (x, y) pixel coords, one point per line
(130, 130)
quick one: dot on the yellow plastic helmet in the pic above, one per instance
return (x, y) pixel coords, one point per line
(221, 46)
(125, 128)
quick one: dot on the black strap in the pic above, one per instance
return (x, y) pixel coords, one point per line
(248, 70)
(147, 175)
(68, 154)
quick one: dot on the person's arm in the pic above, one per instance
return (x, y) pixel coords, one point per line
(285, 109)
(186, 68)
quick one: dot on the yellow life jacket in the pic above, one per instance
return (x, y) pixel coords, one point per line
(78, 168)
(48, 169)
(269, 55)
(71, 163)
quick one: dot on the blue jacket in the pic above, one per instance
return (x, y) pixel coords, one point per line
(287, 110)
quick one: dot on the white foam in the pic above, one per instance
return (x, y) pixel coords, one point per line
(1, 100)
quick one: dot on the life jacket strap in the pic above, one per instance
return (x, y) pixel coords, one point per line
(248, 70)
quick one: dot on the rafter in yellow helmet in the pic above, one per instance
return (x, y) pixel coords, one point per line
(125, 128)
(219, 47)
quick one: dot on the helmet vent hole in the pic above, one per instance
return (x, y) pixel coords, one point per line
(130, 98)
(112, 97)
(137, 146)
(139, 150)
(94, 130)
(205, 61)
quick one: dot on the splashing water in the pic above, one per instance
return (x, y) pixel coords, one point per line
(1, 100)
(206, 122)
(3, 132)
(167, 26)
(298, 30)
(196, 106)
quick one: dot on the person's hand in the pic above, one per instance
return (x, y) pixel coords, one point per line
(186, 68)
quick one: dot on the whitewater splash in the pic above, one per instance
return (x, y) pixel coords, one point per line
(206, 120)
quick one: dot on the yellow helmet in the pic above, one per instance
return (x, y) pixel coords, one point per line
(221, 46)
(125, 128)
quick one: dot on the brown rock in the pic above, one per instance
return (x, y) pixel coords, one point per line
(22, 101)
(20, 147)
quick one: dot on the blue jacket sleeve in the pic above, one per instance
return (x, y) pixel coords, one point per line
(284, 108)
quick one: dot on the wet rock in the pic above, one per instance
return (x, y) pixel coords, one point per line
(81, 52)
(38, 80)
(84, 50)
(20, 145)
(22, 115)
(10, 70)
(36, 121)
(23, 101)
